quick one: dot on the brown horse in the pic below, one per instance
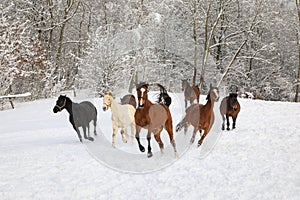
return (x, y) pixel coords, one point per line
(190, 92)
(230, 107)
(201, 117)
(153, 117)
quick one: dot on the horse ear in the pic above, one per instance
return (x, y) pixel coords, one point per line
(210, 85)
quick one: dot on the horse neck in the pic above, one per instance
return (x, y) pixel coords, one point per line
(114, 106)
(148, 103)
(69, 106)
(209, 104)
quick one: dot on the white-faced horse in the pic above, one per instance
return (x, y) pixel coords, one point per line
(122, 117)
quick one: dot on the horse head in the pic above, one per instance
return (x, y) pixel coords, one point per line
(233, 102)
(184, 84)
(60, 103)
(142, 94)
(213, 93)
(107, 101)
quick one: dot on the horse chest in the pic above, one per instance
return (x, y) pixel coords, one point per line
(142, 117)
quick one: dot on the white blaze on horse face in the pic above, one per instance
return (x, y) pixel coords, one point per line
(142, 99)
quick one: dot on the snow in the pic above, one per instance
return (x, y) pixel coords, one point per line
(42, 158)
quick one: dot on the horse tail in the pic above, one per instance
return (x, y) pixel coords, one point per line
(163, 97)
(180, 125)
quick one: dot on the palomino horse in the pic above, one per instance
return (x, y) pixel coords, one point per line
(190, 92)
(122, 117)
(153, 117)
(80, 115)
(201, 117)
(229, 107)
(128, 99)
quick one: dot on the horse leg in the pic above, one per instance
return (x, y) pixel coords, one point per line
(115, 130)
(137, 137)
(95, 126)
(158, 139)
(202, 137)
(223, 124)
(88, 128)
(85, 136)
(233, 123)
(193, 136)
(78, 133)
(75, 128)
(186, 126)
(149, 154)
(123, 133)
(228, 124)
(169, 129)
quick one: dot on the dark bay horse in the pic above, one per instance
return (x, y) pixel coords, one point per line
(81, 114)
(229, 107)
(190, 92)
(153, 117)
(201, 117)
(128, 99)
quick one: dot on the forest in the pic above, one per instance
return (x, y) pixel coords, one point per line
(49, 46)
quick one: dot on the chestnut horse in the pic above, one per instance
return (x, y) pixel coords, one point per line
(230, 107)
(201, 117)
(153, 117)
(190, 92)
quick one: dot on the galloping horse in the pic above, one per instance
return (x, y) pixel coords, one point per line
(153, 117)
(128, 99)
(201, 117)
(122, 116)
(80, 115)
(229, 107)
(190, 92)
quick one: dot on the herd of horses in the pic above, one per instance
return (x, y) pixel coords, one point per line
(152, 116)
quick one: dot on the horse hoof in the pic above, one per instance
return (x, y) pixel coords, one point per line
(149, 154)
(223, 128)
(199, 143)
(228, 129)
(192, 141)
(142, 149)
(91, 139)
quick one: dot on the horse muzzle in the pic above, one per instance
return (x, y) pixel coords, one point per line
(104, 108)
(56, 109)
(141, 106)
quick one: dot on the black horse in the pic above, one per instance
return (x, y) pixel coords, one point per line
(80, 115)
(163, 96)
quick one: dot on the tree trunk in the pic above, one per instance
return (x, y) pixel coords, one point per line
(298, 43)
(195, 42)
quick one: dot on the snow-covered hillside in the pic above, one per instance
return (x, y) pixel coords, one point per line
(42, 158)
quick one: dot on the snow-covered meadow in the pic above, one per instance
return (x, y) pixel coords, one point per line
(42, 158)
